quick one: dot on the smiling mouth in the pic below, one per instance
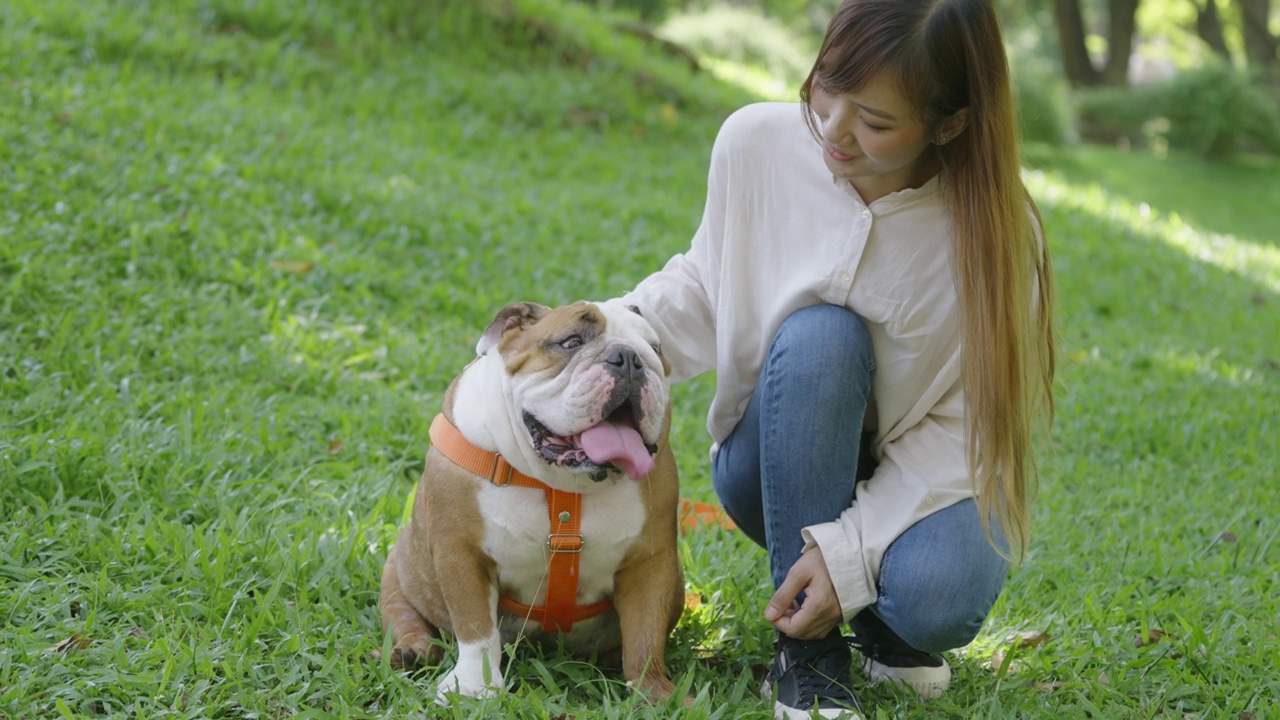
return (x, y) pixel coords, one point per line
(621, 449)
(836, 154)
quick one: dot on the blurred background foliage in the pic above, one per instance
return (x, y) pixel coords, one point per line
(1201, 76)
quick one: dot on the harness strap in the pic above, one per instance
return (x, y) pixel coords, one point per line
(564, 543)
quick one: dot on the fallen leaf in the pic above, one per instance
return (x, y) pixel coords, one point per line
(1259, 299)
(999, 661)
(1045, 687)
(1228, 536)
(1032, 638)
(75, 642)
(1245, 715)
(1078, 357)
(692, 601)
(694, 515)
(1103, 679)
(335, 446)
(299, 267)
(139, 633)
(1154, 636)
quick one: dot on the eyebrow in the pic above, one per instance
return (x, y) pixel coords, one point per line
(878, 113)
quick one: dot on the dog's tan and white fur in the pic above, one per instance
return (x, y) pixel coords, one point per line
(541, 378)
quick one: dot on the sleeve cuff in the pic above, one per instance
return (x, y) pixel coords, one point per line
(843, 558)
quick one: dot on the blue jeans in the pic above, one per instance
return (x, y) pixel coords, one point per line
(791, 461)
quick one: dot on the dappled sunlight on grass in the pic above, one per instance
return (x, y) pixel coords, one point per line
(245, 247)
(1245, 257)
(753, 80)
(1208, 366)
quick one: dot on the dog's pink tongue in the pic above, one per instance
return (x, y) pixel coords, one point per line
(617, 444)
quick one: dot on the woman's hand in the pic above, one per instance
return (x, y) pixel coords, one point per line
(821, 610)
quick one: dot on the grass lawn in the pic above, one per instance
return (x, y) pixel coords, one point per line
(245, 245)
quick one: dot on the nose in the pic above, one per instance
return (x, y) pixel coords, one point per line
(836, 127)
(624, 361)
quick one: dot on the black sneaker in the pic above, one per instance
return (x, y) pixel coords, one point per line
(810, 678)
(890, 658)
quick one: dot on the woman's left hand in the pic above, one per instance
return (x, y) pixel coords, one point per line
(821, 609)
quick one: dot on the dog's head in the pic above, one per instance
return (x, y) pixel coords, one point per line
(588, 381)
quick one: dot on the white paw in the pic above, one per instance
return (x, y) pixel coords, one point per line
(467, 680)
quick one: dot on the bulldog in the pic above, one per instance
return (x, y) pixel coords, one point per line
(547, 508)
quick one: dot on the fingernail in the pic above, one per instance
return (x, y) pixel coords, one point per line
(770, 614)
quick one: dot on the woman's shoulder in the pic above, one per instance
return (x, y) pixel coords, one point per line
(764, 118)
(762, 128)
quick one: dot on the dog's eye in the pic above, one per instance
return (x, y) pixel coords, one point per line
(657, 349)
(571, 342)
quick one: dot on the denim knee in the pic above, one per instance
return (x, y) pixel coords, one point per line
(940, 579)
(936, 628)
(833, 336)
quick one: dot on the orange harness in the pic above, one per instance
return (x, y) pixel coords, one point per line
(564, 543)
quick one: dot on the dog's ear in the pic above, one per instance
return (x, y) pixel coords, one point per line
(516, 316)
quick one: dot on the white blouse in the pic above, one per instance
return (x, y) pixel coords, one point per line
(778, 235)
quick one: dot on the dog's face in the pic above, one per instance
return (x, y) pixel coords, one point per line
(589, 383)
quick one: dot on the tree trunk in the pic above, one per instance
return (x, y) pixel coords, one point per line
(1076, 64)
(1259, 43)
(1120, 41)
(1209, 28)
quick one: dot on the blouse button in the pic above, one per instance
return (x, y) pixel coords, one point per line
(866, 213)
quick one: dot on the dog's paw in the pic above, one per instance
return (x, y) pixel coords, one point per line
(658, 690)
(409, 660)
(416, 654)
(468, 682)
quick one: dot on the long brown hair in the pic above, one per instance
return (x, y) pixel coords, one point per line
(948, 55)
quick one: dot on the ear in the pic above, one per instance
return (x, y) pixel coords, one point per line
(516, 316)
(952, 126)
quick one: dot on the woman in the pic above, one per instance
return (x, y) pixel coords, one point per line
(870, 285)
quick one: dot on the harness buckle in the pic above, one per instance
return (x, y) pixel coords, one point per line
(564, 543)
(498, 462)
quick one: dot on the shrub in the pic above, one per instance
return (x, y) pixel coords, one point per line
(1114, 115)
(1040, 94)
(1215, 111)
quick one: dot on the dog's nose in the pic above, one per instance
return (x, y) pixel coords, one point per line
(625, 361)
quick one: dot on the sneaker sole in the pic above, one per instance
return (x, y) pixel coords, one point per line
(784, 712)
(930, 682)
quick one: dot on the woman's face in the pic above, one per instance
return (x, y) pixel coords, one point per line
(873, 137)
